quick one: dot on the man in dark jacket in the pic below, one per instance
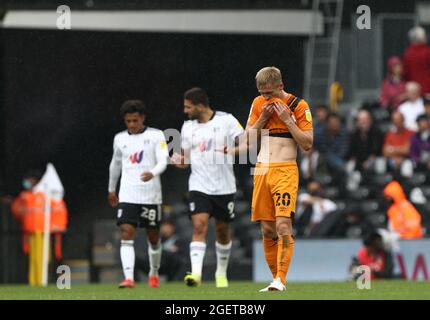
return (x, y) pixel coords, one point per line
(366, 142)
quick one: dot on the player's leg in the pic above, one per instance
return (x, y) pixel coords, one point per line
(150, 218)
(127, 220)
(128, 233)
(223, 249)
(154, 254)
(200, 210)
(270, 245)
(285, 187)
(284, 230)
(223, 212)
(197, 248)
(263, 210)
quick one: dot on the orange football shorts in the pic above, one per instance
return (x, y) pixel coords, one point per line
(275, 191)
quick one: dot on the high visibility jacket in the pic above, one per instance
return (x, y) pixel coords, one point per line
(29, 209)
(402, 216)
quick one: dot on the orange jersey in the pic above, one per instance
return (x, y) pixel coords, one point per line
(299, 108)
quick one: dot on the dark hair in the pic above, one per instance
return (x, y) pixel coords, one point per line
(322, 106)
(335, 116)
(197, 96)
(132, 106)
(423, 117)
(169, 221)
(371, 238)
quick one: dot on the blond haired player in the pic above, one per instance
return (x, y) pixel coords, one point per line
(289, 122)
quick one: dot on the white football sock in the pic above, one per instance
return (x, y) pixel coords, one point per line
(222, 257)
(127, 258)
(154, 253)
(197, 253)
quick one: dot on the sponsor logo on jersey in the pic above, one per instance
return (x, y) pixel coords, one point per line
(205, 145)
(136, 157)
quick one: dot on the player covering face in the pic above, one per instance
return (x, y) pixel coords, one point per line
(288, 121)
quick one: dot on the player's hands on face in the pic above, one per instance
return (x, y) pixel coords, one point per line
(146, 176)
(283, 112)
(266, 112)
(112, 199)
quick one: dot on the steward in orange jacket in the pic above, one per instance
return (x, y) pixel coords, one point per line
(402, 216)
(29, 208)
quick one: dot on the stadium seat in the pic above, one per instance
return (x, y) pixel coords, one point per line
(370, 206)
(378, 219)
(360, 194)
(379, 180)
(331, 192)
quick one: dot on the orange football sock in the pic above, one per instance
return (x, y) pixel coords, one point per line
(285, 250)
(271, 253)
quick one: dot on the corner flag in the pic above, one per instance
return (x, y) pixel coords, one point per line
(51, 186)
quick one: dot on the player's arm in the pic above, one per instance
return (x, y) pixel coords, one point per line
(304, 139)
(161, 156)
(182, 160)
(244, 141)
(114, 174)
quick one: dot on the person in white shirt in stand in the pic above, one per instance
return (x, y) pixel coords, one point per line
(413, 107)
(319, 205)
(212, 182)
(140, 155)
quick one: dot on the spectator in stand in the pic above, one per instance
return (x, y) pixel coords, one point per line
(312, 208)
(332, 143)
(309, 160)
(427, 107)
(321, 113)
(403, 218)
(393, 91)
(413, 106)
(366, 142)
(420, 144)
(416, 59)
(397, 142)
(355, 223)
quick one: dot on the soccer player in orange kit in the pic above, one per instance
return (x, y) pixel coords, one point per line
(289, 123)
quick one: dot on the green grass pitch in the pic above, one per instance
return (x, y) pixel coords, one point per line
(238, 290)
